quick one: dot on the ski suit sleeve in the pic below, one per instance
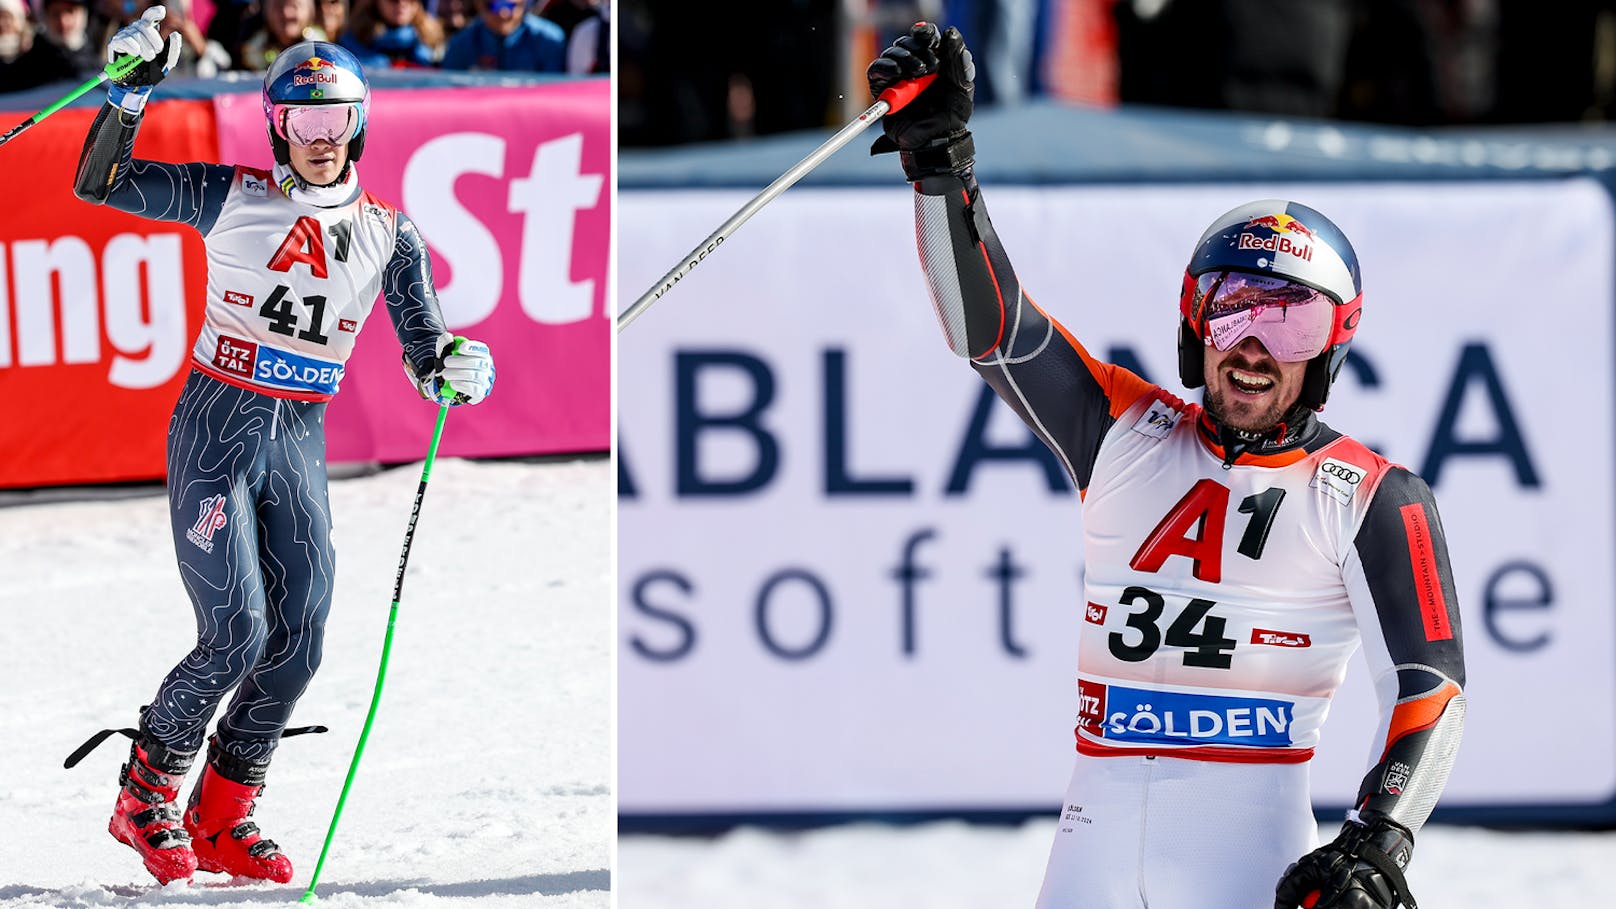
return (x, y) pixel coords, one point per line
(412, 299)
(1068, 398)
(1401, 587)
(109, 174)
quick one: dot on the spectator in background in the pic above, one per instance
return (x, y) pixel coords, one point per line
(454, 15)
(60, 52)
(587, 25)
(284, 23)
(396, 33)
(506, 37)
(16, 33)
(233, 20)
(198, 55)
(332, 16)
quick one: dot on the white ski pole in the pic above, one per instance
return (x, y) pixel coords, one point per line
(892, 99)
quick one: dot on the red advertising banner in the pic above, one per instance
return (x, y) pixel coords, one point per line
(98, 309)
(511, 187)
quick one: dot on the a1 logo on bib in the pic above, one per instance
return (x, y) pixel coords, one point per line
(1338, 479)
(1157, 421)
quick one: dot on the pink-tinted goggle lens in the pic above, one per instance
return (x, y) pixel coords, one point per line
(308, 124)
(1291, 320)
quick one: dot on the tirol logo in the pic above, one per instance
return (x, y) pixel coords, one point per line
(1157, 422)
(1280, 638)
(238, 298)
(348, 325)
(1136, 716)
(1397, 777)
(1280, 224)
(210, 518)
(1094, 614)
(1090, 707)
(235, 356)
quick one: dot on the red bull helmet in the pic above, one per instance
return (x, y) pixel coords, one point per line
(316, 90)
(1282, 273)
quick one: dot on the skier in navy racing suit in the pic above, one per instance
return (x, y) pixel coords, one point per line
(296, 259)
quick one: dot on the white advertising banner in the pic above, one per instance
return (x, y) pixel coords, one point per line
(850, 580)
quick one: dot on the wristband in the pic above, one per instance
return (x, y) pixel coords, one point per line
(129, 100)
(952, 155)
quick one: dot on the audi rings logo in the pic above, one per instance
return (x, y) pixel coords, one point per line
(1338, 479)
(1341, 471)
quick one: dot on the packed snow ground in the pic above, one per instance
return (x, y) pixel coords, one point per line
(953, 865)
(487, 777)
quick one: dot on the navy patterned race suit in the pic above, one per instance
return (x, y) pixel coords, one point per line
(293, 271)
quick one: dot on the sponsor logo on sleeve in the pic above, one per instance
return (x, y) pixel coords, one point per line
(1397, 777)
(293, 372)
(1338, 479)
(238, 298)
(1094, 614)
(235, 356)
(348, 325)
(1138, 717)
(1280, 638)
(210, 518)
(1157, 421)
(253, 186)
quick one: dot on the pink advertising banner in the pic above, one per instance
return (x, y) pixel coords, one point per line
(511, 187)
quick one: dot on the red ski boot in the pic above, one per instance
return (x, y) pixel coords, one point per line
(147, 816)
(224, 840)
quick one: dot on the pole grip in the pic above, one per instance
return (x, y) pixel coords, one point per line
(898, 96)
(116, 70)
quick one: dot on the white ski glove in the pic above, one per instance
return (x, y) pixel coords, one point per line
(461, 373)
(141, 38)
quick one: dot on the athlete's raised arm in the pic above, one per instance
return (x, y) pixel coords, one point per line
(109, 174)
(1066, 396)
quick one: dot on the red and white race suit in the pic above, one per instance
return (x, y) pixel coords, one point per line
(1225, 591)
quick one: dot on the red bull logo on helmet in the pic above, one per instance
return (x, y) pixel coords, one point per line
(315, 76)
(1280, 224)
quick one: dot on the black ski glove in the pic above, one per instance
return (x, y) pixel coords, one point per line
(930, 130)
(1361, 869)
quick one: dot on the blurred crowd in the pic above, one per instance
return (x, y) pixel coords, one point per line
(46, 41)
(749, 67)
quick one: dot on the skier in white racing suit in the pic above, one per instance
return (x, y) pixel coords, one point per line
(1236, 552)
(296, 259)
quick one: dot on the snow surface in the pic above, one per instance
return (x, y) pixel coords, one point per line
(952, 865)
(487, 777)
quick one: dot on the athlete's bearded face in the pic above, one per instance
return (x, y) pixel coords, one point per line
(1247, 389)
(319, 163)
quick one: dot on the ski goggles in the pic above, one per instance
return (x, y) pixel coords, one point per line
(1293, 321)
(306, 124)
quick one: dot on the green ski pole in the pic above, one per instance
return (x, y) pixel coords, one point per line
(117, 69)
(387, 646)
